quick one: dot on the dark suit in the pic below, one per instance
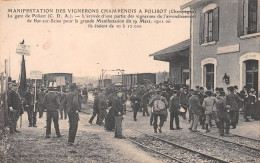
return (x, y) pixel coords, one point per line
(14, 101)
(32, 113)
(51, 103)
(233, 101)
(195, 110)
(73, 106)
(174, 110)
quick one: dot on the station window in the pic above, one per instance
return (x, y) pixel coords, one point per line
(247, 17)
(209, 25)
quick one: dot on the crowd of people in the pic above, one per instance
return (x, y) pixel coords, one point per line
(197, 106)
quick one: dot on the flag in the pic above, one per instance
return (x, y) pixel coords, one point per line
(23, 84)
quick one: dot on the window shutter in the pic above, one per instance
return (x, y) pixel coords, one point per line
(240, 22)
(215, 24)
(201, 37)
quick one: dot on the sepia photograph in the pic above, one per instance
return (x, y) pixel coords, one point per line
(129, 81)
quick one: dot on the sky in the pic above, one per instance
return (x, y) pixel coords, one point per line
(76, 49)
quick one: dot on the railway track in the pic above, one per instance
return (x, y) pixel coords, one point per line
(155, 151)
(230, 142)
(257, 140)
(207, 156)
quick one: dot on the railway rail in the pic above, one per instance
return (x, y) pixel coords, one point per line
(185, 148)
(160, 153)
(227, 141)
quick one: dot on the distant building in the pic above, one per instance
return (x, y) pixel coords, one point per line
(51, 78)
(116, 79)
(106, 82)
(141, 79)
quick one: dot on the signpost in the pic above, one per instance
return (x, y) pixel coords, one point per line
(35, 75)
(23, 49)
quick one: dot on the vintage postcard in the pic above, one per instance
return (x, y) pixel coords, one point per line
(129, 81)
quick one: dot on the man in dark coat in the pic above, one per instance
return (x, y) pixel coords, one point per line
(135, 103)
(31, 106)
(222, 114)
(174, 110)
(62, 97)
(183, 102)
(51, 103)
(73, 107)
(233, 101)
(40, 102)
(195, 110)
(117, 110)
(15, 107)
(95, 108)
(145, 101)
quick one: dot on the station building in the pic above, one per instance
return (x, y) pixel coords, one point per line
(224, 43)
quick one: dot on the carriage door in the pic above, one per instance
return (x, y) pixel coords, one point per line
(252, 74)
(209, 76)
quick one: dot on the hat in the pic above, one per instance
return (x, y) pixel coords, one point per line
(196, 93)
(222, 93)
(191, 90)
(119, 90)
(252, 90)
(235, 87)
(73, 86)
(208, 93)
(231, 89)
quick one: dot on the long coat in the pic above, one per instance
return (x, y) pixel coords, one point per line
(194, 105)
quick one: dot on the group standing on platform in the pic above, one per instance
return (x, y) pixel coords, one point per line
(198, 107)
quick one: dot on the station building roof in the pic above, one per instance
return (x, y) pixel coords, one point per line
(176, 50)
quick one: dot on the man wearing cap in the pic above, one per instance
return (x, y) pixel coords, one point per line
(102, 106)
(135, 103)
(233, 101)
(195, 111)
(222, 114)
(15, 107)
(95, 107)
(73, 107)
(62, 97)
(117, 111)
(174, 110)
(31, 105)
(159, 105)
(145, 101)
(51, 103)
(40, 102)
(183, 102)
(191, 92)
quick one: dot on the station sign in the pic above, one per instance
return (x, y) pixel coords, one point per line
(36, 75)
(23, 49)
